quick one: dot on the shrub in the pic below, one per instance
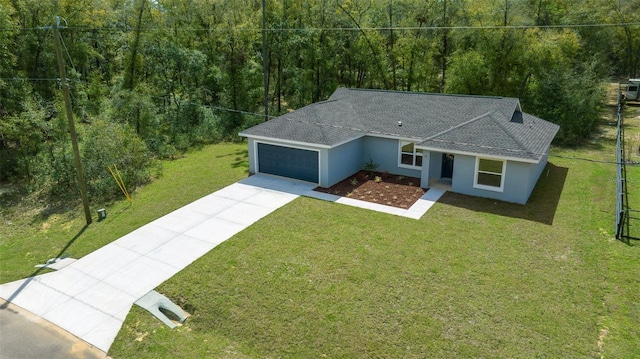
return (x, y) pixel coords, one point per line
(370, 166)
(109, 143)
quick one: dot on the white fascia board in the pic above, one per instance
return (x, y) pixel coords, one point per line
(266, 139)
(299, 143)
(474, 154)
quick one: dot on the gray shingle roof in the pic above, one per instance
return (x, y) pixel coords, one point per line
(491, 126)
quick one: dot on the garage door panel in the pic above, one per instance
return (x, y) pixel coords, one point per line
(288, 162)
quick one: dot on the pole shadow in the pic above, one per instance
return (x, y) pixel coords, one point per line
(39, 270)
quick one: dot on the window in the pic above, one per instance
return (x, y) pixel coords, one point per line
(410, 156)
(489, 174)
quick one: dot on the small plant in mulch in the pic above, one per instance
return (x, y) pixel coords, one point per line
(370, 167)
(399, 178)
(378, 179)
(354, 182)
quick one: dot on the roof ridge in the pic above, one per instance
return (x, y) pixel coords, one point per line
(457, 126)
(426, 93)
(341, 127)
(517, 141)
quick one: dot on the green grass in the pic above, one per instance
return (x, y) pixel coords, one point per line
(318, 279)
(472, 278)
(31, 234)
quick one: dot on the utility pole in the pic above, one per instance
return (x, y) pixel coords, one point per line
(72, 126)
(265, 74)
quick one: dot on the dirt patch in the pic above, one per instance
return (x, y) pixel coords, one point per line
(383, 188)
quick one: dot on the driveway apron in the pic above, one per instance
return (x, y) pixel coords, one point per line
(91, 297)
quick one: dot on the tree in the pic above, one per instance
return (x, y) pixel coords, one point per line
(578, 100)
(107, 143)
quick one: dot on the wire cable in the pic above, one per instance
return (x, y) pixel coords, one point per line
(67, 51)
(216, 107)
(384, 28)
(29, 79)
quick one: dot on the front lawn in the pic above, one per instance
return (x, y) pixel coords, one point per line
(472, 278)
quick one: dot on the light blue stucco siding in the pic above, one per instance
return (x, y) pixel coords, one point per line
(517, 180)
(431, 167)
(435, 165)
(536, 171)
(384, 152)
(426, 165)
(343, 161)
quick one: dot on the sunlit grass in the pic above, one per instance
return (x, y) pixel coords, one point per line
(472, 278)
(29, 236)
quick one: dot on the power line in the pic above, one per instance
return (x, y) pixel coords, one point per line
(226, 109)
(384, 28)
(588, 160)
(67, 51)
(30, 79)
(220, 108)
(463, 27)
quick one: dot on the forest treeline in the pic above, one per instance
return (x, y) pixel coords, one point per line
(152, 78)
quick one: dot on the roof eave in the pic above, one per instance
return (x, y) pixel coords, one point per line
(282, 140)
(478, 154)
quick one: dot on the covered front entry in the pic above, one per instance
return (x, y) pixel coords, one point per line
(447, 166)
(289, 162)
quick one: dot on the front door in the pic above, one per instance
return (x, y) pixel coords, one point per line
(447, 165)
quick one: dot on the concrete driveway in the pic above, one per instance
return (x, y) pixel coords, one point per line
(91, 297)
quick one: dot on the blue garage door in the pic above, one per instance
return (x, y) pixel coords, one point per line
(288, 162)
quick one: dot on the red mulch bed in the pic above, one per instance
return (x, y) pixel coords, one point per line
(382, 188)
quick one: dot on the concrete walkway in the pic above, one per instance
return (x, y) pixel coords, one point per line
(416, 211)
(91, 297)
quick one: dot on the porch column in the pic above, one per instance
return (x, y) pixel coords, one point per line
(424, 176)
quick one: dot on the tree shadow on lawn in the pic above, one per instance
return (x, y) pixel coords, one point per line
(241, 159)
(541, 207)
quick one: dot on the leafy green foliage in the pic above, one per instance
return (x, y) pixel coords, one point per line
(186, 73)
(107, 144)
(578, 100)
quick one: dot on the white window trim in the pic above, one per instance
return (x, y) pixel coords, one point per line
(415, 154)
(502, 175)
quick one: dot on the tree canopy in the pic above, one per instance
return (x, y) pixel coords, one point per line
(161, 76)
